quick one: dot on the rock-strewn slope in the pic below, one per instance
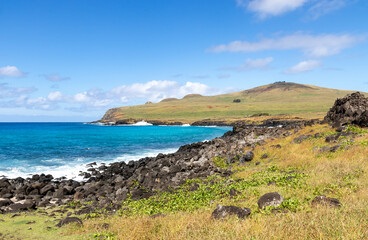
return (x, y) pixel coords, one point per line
(140, 179)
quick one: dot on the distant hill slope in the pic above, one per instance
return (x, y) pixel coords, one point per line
(274, 99)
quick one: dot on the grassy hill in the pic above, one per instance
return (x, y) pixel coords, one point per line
(274, 99)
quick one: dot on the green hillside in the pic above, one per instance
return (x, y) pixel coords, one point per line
(274, 99)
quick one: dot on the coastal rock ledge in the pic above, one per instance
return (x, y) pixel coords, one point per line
(106, 186)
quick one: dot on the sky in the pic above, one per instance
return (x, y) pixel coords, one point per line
(72, 60)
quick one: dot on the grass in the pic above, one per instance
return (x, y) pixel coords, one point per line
(298, 171)
(301, 100)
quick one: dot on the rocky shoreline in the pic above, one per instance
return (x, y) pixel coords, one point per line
(106, 186)
(201, 123)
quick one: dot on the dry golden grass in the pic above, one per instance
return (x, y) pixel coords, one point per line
(303, 100)
(342, 174)
(319, 223)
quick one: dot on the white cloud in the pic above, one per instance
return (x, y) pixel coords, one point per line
(98, 99)
(158, 90)
(270, 8)
(311, 45)
(55, 96)
(265, 8)
(25, 101)
(323, 7)
(11, 71)
(304, 66)
(191, 87)
(81, 97)
(55, 77)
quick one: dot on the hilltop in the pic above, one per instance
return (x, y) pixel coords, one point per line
(272, 99)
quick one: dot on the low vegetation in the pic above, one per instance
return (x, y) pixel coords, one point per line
(299, 171)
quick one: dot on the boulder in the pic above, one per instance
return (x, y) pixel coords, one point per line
(21, 206)
(224, 211)
(326, 201)
(247, 157)
(5, 202)
(46, 188)
(273, 199)
(78, 196)
(69, 220)
(60, 193)
(352, 108)
(301, 138)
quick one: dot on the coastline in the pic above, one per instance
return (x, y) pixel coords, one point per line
(143, 122)
(144, 177)
(64, 149)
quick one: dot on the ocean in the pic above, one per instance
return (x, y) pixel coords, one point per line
(64, 149)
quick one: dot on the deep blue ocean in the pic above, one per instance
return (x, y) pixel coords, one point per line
(63, 149)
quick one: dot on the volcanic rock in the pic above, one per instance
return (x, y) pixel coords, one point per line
(21, 206)
(224, 211)
(247, 157)
(326, 201)
(69, 220)
(273, 199)
(352, 108)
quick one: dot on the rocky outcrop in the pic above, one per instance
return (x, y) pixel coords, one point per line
(350, 109)
(209, 122)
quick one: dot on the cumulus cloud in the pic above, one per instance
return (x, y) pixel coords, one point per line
(55, 77)
(150, 91)
(11, 71)
(311, 45)
(55, 96)
(98, 99)
(304, 66)
(158, 90)
(266, 8)
(94, 98)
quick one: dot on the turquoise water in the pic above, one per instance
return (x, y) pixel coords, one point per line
(63, 149)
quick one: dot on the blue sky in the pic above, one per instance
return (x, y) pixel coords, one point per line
(73, 60)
